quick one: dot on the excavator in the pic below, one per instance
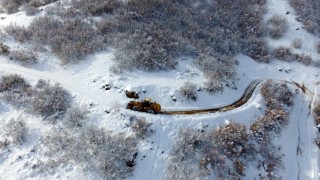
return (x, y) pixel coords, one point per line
(147, 105)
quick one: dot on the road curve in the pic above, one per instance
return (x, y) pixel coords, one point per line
(238, 103)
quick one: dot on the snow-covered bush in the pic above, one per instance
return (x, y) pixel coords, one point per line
(189, 90)
(15, 90)
(24, 57)
(75, 116)
(50, 101)
(283, 53)
(4, 49)
(277, 25)
(308, 12)
(271, 122)
(224, 153)
(19, 33)
(16, 131)
(303, 58)
(94, 149)
(13, 133)
(141, 127)
(218, 71)
(185, 155)
(277, 95)
(297, 43)
(70, 40)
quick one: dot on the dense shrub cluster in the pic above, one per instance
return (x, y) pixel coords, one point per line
(189, 90)
(92, 148)
(285, 54)
(49, 101)
(19, 33)
(272, 122)
(75, 116)
(308, 12)
(15, 90)
(151, 34)
(277, 25)
(70, 40)
(226, 152)
(13, 133)
(24, 57)
(277, 95)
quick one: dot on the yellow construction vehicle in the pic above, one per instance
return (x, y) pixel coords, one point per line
(144, 106)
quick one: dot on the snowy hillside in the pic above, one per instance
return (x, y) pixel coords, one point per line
(66, 66)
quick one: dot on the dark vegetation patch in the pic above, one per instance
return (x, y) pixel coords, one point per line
(151, 35)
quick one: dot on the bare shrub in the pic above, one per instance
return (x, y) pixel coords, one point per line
(283, 53)
(272, 121)
(305, 59)
(185, 156)
(297, 43)
(277, 25)
(219, 71)
(19, 33)
(276, 95)
(24, 57)
(70, 40)
(4, 49)
(13, 134)
(216, 149)
(141, 127)
(75, 117)
(50, 101)
(15, 90)
(189, 90)
(16, 131)
(94, 149)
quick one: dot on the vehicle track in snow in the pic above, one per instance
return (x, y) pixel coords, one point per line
(66, 82)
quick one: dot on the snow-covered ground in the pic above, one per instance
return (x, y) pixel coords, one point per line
(85, 81)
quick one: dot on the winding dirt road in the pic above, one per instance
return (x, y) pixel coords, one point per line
(238, 103)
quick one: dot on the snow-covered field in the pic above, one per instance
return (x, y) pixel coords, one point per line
(85, 81)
